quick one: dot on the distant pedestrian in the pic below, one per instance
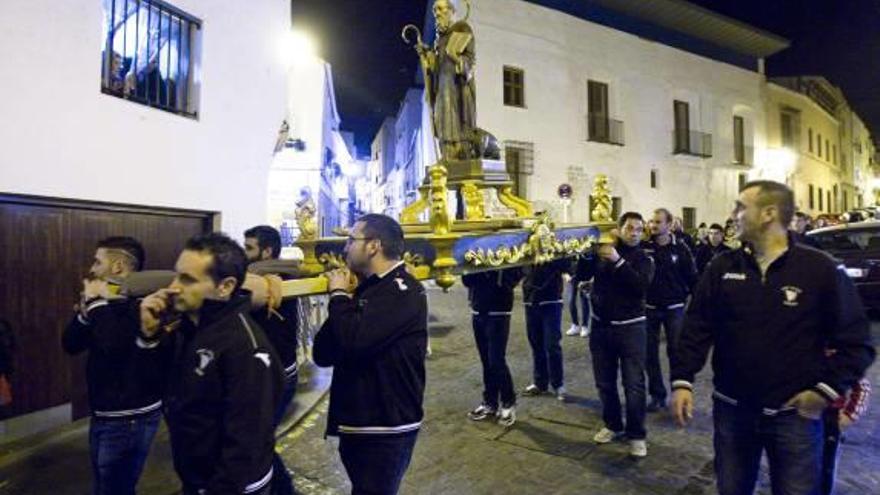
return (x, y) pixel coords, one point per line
(713, 247)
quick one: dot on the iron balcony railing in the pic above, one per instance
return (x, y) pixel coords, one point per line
(601, 129)
(694, 143)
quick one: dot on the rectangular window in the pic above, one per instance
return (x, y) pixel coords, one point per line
(827, 151)
(654, 181)
(616, 207)
(689, 218)
(787, 129)
(834, 153)
(514, 87)
(150, 55)
(812, 199)
(810, 135)
(828, 196)
(845, 201)
(743, 179)
(834, 204)
(597, 101)
(739, 147)
(682, 126)
(519, 162)
(821, 201)
(819, 145)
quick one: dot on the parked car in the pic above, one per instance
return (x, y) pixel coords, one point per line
(857, 245)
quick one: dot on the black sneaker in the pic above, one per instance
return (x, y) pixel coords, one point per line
(481, 412)
(656, 405)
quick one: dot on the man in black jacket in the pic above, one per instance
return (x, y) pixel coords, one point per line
(771, 309)
(125, 382)
(799, 225)
(622, 273)
(491, 298)
(713, 247)
(542, 298)
(264, 243)
(375, 337)
(225, 380)
(675, 276)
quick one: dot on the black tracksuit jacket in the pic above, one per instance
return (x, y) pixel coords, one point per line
(618, 295)
(281, 328)
(123, 379)
(706, 253)
(224, 386)
(376, 341)
(675, 273)
(543, 283)
(770, 332)
(491, 293)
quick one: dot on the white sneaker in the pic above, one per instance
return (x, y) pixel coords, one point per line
(638, 448)
(585, 331)
(481, 412)
(507, 416)
(606, 436)
(561, 394)
(574, 330)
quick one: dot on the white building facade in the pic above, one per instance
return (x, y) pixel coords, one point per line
(63, 135)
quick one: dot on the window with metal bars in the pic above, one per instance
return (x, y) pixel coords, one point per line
(150, 55)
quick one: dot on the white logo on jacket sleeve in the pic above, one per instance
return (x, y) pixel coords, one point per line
(734, 276)
(205, 358)
(264, 357)
(791, 295)
(400, 284)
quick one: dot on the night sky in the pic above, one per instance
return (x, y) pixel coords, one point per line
(372, 67)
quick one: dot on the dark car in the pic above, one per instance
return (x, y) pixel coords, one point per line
(858, 246)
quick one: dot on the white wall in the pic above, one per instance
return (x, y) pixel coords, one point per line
(60, 136)
(559, 53)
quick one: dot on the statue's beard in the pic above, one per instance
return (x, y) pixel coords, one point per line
(443, 24)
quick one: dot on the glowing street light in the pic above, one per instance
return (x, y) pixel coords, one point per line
(297, 45)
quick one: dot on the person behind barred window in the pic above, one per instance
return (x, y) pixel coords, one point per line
(768, 311)
(491, 298)
(375, 338)
(125, 383)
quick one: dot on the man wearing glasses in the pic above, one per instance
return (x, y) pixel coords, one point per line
(375, 338)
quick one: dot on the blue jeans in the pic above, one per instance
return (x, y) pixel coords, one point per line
(672, 321)
(544, 329)
(793, 444)
(491, 334)
(581, 318)
(119, 449)
(282, 484)
(376, 463)
(623, 346)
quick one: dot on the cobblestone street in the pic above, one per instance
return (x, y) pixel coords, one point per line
(550, 449)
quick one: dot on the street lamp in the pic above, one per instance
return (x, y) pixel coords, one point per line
(778, 164)
(297, 45)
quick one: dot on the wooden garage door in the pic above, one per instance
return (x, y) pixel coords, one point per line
(46, 247)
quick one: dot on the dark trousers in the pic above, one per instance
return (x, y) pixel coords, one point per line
(376, 463)
(282, 484)
(672, 321)
(119, 449)
(793, 445)
(491, 333)
(582, 317)
(544, 329)
(832, 435)
(620, 346)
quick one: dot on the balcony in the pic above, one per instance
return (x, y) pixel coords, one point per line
(601, 129)
(743, 155)
(694, 143)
